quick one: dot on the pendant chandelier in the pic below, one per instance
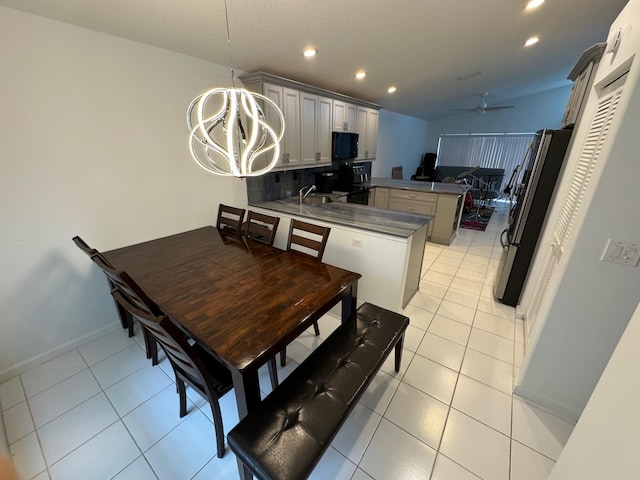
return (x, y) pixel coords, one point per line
(229, 132)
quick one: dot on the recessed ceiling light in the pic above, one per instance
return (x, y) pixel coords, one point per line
(531, 4)
(391, 89)
(310, 52)
(531, 41)
(361, 74)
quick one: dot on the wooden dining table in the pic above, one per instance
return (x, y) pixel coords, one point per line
(240, 300)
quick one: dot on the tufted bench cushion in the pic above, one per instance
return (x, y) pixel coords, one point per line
(285, 437)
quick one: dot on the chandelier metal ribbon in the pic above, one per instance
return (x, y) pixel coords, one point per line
(230, 135)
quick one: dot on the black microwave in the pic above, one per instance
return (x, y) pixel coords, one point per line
(344, 146)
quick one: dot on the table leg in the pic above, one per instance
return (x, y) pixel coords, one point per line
(349, 302)
(247, 390)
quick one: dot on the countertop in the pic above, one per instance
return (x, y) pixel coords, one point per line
(380, 220)
(431, 187)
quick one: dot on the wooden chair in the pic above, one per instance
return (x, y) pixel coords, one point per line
(230, 218)
(125, 318)
(191, 364)
(308, 238)
(261, 227)
(396, 172)
(311, 240)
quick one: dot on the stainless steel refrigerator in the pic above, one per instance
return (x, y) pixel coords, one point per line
(531, 195)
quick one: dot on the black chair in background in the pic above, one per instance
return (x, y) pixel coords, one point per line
(427, 169)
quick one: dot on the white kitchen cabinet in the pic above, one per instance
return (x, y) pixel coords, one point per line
(288, 100)
(316, 115)
(367, 123)
(344, 117)
(379, 197)
(311, 114)
(415, 202)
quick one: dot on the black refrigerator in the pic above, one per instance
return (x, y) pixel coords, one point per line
(531, 194)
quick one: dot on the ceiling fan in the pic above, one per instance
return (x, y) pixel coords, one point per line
(482, 107)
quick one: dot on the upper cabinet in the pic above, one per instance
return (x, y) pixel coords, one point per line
(310, 115)
(368, 133)
(344, 117)
(316, 114)
(288, 100)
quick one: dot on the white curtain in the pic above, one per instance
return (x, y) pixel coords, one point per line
(505, 150)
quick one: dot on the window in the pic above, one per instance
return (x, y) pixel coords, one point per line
(503, 150)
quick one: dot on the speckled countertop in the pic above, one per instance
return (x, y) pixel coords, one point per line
(380, 220)
(431, 187)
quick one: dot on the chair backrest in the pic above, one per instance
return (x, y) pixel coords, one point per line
(82, 245)
(261, 227)
(312, 238)
(122, 281)
(396, 172)
(230, 218)
(180, 353)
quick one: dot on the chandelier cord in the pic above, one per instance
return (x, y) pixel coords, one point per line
(233, 73)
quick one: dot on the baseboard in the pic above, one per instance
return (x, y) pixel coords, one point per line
(33, 362)
(546, 404)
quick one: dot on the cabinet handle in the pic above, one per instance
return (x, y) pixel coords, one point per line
(412, 195)
(411, 209)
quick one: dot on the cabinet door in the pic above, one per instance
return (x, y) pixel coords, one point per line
(371, 141)
(274, 93)
(381, 197)
(324, 122)
(362, 133)
(315, 129)
(309, 112)
(368, 130)
(344, 117)
(291, 112)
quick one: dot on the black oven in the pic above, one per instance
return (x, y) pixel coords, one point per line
(359, 194)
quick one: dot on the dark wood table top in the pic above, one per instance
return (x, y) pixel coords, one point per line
(242, 300)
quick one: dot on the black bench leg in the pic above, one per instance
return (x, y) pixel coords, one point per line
(245, 473)
(399, 352)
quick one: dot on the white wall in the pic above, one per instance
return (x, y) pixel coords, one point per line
(401, 141)
(605, 442)
(593, 301)
(531, 113)
(94, 143)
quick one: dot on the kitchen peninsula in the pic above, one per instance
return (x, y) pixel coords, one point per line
(385, 246)
(442, 200)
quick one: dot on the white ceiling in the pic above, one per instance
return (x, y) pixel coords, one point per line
(420, 46)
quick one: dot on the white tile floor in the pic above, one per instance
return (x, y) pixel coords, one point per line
(101, 411)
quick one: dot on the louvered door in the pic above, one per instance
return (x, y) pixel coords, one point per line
(572, 205)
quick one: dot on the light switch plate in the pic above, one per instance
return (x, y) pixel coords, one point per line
(621, 252)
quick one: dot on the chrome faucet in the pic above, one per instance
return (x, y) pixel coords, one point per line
(302, 194)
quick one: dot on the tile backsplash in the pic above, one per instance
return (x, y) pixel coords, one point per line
(285, 184)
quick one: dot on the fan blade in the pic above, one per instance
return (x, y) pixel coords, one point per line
(500, 108)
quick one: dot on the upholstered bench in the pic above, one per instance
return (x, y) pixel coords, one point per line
(285, 437)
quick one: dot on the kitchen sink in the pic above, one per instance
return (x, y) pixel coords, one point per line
(313, 199)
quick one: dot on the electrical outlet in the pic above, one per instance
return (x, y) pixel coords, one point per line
(356, 242)
(621, 252)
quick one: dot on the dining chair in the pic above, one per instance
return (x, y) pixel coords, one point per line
(125, 317)
(191, 364)
(308, 239)
(261, 227)
(396, 172)
(230, 218)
